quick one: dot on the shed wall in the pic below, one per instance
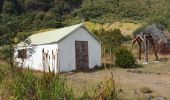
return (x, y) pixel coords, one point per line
(67, 50)
(36, 60)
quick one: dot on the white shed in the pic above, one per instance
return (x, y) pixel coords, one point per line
(60, 50)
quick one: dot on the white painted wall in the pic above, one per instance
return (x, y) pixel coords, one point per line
(35, 61)
(67, 50)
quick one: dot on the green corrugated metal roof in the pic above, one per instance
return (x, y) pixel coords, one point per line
(53, 35)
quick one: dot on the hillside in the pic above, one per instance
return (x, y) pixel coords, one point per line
(26, 15)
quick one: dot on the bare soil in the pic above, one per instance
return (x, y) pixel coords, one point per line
(155, 76)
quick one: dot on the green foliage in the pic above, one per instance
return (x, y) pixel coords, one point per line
(140, 29)
(25, 86)
(110, 39)
(127, 38)
(124, 58)
(119, 9)
(8, 7)
(50, 86)
(27, 15)
(22, 36)
(1, 75)
(4, 53)
(4, 30)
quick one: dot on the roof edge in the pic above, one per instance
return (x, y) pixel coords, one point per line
(83, 26)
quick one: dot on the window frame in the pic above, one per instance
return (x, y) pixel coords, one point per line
(22, 53)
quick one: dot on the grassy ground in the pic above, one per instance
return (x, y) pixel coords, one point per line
(125, 27)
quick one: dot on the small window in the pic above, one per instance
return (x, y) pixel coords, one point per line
(22, 54)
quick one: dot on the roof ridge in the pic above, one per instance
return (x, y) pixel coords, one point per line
(81, 24)
(53, 35)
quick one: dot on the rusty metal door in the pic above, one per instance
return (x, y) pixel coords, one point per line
(81, 51)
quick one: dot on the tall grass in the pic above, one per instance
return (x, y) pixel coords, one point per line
(28, 85)
(48, 87)
(107, 90)
(1, 75)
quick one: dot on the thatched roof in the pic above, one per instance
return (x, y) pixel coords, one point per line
(158, 32)
(160, 37)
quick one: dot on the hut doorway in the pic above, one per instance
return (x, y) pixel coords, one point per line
(81, 52)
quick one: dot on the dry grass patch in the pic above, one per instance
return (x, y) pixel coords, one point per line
(146, 90)
(125, 27)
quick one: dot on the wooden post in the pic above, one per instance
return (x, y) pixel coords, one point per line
(140, 51)
(104, 58)
(57, 66)
(146, 51)
(155, 52)
(111, 57)
(58, 61)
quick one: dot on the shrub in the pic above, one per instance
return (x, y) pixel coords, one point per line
(1, 75)
(4, 30)
(124, 58)
(4, 71)
(4, 53)
(127, 38)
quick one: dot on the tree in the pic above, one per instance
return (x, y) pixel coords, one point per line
(1, 5)
(8, 7)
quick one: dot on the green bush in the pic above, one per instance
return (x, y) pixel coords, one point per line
(124, 58)
(1, 75)
(4, 53)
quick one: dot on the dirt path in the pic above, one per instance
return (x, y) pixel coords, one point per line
(129, 81)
